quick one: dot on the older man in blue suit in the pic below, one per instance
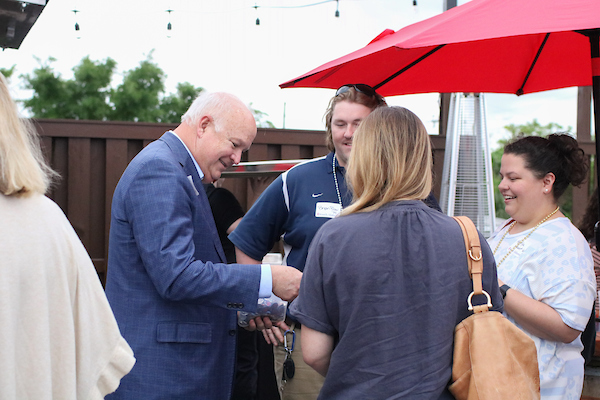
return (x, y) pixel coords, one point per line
(174, 297)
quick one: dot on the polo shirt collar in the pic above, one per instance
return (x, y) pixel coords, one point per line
(338, 167)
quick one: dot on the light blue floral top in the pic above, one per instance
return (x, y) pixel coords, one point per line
(554, 265)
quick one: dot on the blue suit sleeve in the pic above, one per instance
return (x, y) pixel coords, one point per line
(171, 232)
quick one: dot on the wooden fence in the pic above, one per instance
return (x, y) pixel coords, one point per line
(91, 156)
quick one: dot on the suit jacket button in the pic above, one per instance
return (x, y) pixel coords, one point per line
(229, 305)
(232, 332)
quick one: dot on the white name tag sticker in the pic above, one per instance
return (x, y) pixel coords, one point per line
(327, 210)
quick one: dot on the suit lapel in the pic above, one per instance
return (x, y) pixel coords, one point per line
(192, 175)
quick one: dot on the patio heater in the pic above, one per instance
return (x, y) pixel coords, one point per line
(467, 184)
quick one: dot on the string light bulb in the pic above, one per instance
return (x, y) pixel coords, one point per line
(257, 19)
(76, 24)
(169, 26)
(337, 10)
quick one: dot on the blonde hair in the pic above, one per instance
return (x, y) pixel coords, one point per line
(390, 160)
(23, 170)
(352, 96)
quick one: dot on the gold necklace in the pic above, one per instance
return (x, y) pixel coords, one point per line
(511, 249)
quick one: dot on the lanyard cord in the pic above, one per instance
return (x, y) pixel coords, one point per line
(337, 187)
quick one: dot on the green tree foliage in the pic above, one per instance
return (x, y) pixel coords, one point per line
(533, 128)
(89, 95)
(89, 90)
(261, 118)
(175, 105)
(137, 98)
(8, 72)
(51, 97)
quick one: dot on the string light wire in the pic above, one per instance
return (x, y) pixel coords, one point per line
(299, 6)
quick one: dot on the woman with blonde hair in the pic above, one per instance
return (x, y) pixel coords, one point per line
(58, 337)
(386, 282)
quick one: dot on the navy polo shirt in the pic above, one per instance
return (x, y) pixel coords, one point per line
(293, 208)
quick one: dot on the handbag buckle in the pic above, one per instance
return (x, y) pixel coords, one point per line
(469, 302)
(474, 258)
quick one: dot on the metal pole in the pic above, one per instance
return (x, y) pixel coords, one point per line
(445, 97)
(448, 4)
(284, 105)
(595, 54)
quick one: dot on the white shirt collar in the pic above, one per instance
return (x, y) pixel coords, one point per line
(190, 153)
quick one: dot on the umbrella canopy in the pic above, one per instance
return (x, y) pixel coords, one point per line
(497, 46)
(494, 46)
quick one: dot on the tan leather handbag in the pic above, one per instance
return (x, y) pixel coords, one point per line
(493, 359)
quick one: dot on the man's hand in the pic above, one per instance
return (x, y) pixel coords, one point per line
(273, 332)
(286, 281)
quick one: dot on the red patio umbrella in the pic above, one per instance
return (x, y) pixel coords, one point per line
(498, 46)
(494, 46)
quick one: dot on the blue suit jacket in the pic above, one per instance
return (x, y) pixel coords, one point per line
(174, 298)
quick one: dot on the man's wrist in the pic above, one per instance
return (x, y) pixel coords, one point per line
(503, 289)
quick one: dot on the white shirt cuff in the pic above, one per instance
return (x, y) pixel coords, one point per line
(266, 281)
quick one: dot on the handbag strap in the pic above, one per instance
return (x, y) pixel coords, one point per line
(474, 261)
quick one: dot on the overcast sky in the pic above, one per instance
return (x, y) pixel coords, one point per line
(217, 45)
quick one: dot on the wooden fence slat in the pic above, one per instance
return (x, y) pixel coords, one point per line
(258, 152)
(306, 152)
(584, 113)
(289, 152)
(103, 129)
(133, 148)
(59, 160)
(97, 190)
(79, 179)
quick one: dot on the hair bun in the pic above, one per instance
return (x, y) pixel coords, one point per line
(563, 143)
(575, 161)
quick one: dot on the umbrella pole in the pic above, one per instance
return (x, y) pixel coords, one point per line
(595, 55)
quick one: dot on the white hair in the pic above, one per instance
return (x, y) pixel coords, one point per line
(215, 104)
